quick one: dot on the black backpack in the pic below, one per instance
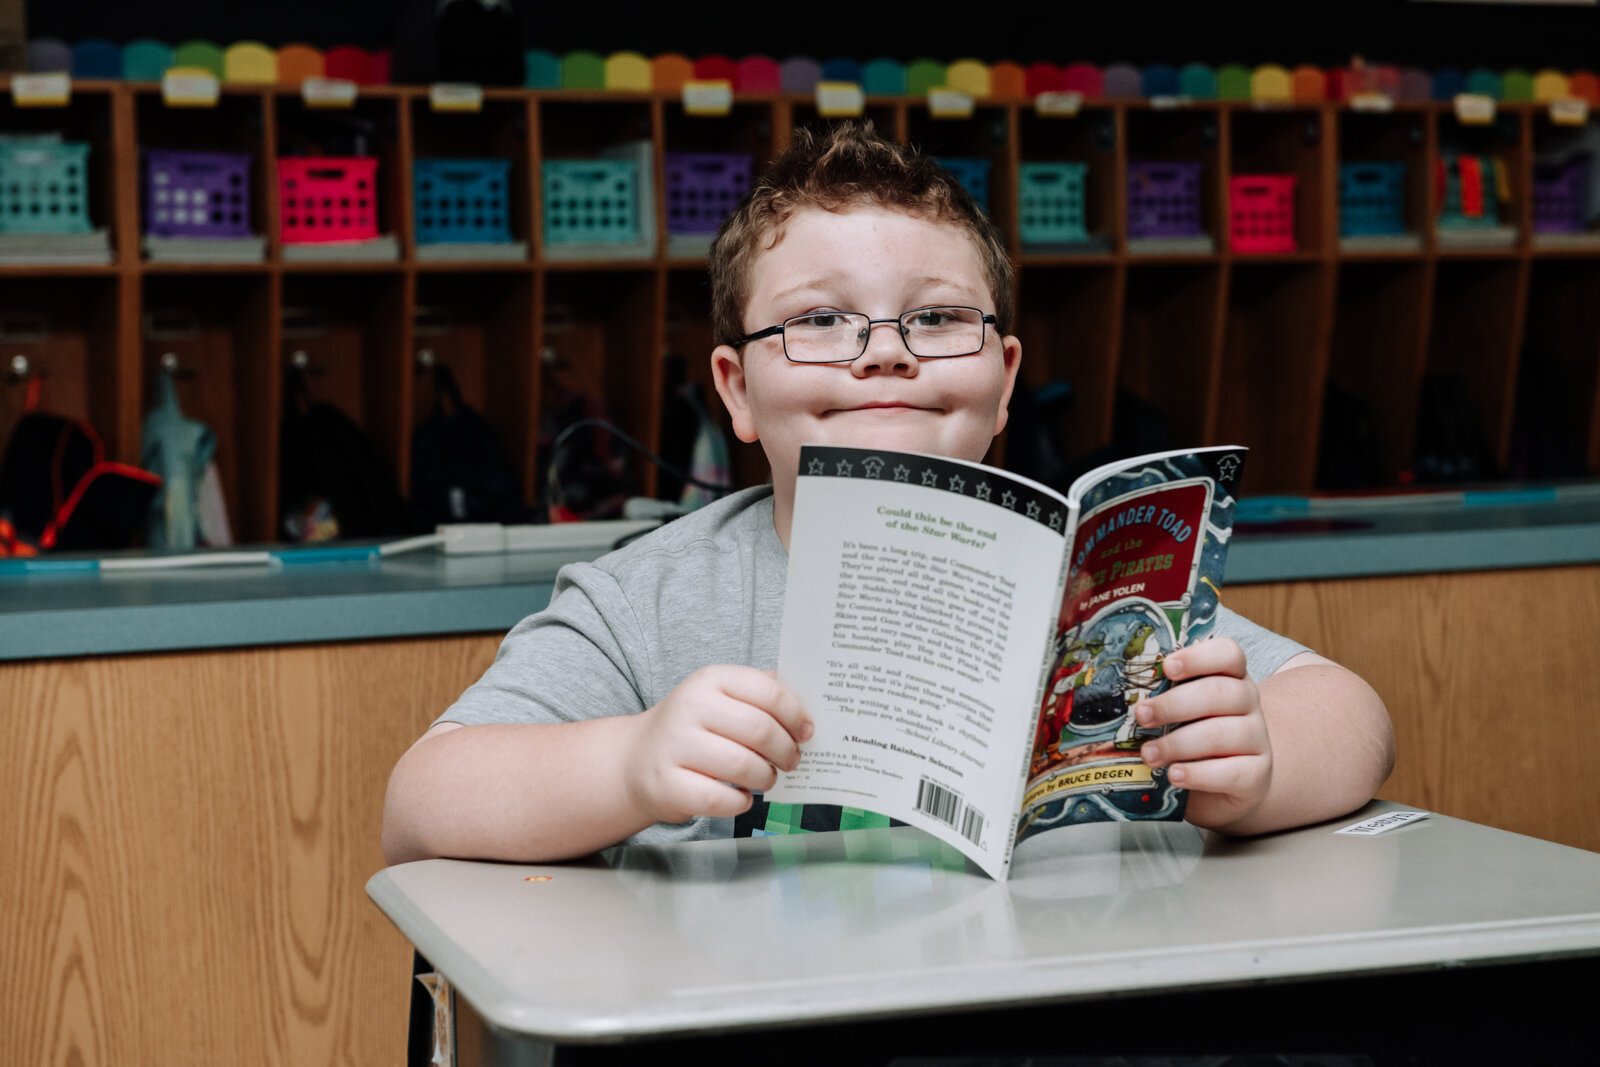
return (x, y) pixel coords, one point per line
(459, 472)
(331, 480)
(57, 491)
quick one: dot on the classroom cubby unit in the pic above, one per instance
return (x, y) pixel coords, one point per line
(1427, 325)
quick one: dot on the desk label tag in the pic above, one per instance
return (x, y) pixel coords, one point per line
(328, 92)
(708, 98)
(455, 96)
(190, 87)
(53, 89)
(1380, 823)
(1371, 102)
(1475, 109)
(1569, 111)
(840, 100)
(1058, 105)
(950, 104)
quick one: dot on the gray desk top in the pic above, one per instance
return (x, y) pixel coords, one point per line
(726, 935)
(45, 615)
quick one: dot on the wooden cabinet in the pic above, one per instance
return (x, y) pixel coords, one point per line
(1328, 360)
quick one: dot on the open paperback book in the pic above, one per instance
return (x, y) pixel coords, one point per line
(971, 644)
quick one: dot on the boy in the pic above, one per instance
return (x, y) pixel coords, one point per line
(641, 705)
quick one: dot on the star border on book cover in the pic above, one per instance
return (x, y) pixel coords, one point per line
(939, 475)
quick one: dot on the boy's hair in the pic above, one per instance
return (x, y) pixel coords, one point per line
(848, 165)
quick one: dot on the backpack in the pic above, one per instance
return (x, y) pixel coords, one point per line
(459, 472)
(57, 491)
(331, 480)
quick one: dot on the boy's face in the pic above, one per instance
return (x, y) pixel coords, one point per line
(880, 262)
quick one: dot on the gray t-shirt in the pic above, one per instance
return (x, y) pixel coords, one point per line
(620, 633)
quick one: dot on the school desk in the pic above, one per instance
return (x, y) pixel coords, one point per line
(1439, 941)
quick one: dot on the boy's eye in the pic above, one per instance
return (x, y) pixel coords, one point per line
(932, 318)
(826, 320)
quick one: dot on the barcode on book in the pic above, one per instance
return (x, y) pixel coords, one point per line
(948, 807)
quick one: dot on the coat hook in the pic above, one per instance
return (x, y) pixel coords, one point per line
(20, 368)
(426, 360)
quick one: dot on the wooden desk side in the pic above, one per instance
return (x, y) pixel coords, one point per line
(1488, 679)
(186, 840)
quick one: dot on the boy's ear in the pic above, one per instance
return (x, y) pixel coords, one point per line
(1011, 354)
(727, 374)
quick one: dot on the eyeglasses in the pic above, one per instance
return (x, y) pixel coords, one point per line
(841, 336)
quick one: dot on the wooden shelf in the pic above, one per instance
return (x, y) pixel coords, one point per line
(1279, 352)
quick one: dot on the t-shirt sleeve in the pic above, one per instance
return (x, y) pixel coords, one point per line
(578, 659)
(1264, 651)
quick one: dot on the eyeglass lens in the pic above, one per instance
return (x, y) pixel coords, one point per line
(840, 336)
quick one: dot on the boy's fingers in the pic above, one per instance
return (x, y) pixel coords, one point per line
(1221, 655)
(1230, 776)
(752, 729)
(725, 760)
(1199, 699)
(1217, 738)
(702, 795)
(763, 690)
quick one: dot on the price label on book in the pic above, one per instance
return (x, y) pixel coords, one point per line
(329, 92)
(1569, 111)
(41, 90)
(950, 104)
(840, 100)
(1371, 102)
(1058, 105)
(455, 96)
(708, 98)
(189, 87)
(1474, 109)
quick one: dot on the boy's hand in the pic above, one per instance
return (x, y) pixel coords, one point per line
(1223, 756)
(722, 734)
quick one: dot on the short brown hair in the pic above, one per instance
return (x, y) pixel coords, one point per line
(849, 164)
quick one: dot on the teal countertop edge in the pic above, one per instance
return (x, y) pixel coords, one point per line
(46, 616)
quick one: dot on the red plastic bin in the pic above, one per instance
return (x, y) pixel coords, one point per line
(1261, 212)
(327, 198)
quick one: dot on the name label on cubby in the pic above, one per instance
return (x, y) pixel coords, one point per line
(840, 100)
(1474, 109)
(708, 97)
(329, 92)
(1058, 105)
(950, 104)
(41, 90)
(455, 96)
(189, 87)
(1569, 111)
(1372, 102)
(1169, 103)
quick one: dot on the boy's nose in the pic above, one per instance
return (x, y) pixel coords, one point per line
(886, 352)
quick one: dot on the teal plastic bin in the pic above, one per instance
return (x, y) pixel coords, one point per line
(44, 187)
(591, 201)
(1051, 203)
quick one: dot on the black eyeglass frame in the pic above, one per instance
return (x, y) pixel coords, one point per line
(984, 322)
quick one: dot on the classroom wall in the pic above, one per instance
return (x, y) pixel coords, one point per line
(1324, 32)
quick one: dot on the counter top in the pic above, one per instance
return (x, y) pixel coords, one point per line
(429, 593)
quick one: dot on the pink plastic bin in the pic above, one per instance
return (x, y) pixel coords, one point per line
(1261, 212)
(325, 198)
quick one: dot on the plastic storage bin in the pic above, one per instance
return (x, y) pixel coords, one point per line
(1372, 199)
(196, 194)
(462, 200)
(703, 188)
(328, 198)
(1051, 203)
(44, 187)
(1471, 193)
(973, 174)
(1164, 200)
(1561, 196)
(1261, 212)
(591, 201)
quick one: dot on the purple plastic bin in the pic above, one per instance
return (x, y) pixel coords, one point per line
(1560, 196)
(196, 194)
(1164, 200)
(703, 188)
